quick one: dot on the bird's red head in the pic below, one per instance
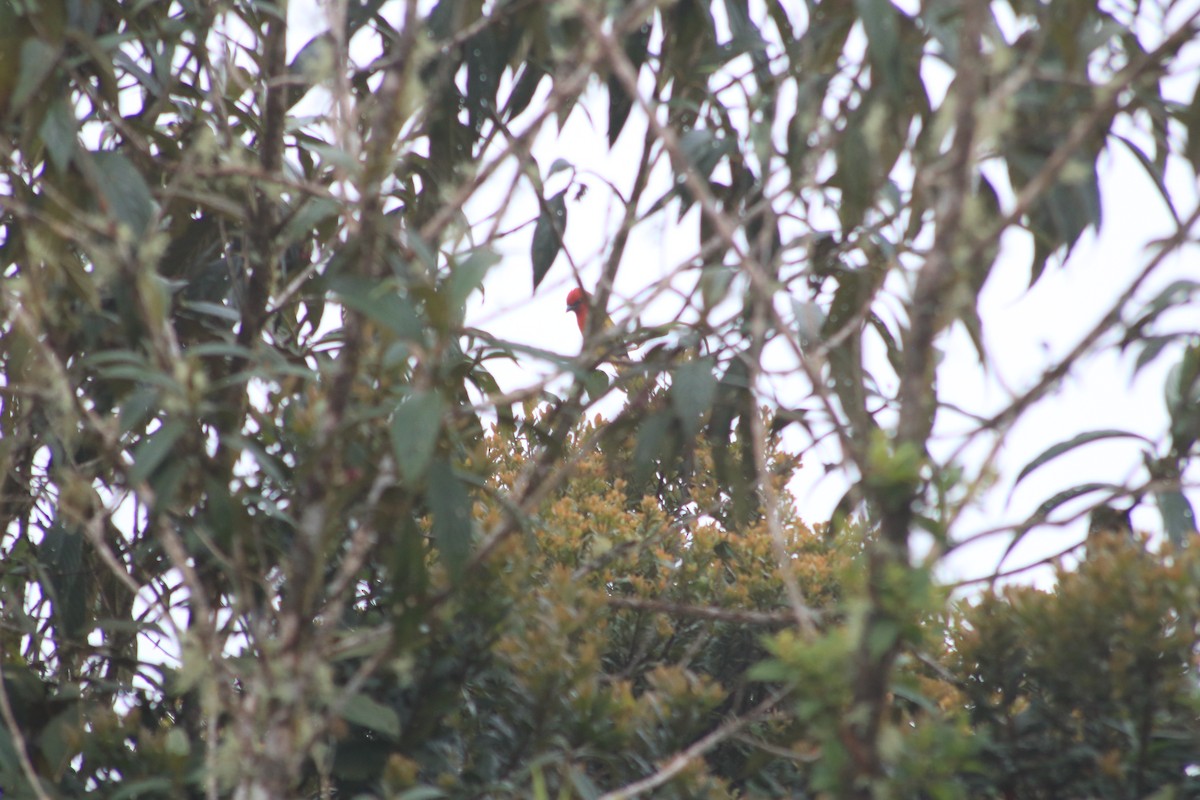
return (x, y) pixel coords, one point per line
(577, 302)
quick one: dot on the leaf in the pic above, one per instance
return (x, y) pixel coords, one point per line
(1191, 120)
(1067, 495)
(37, 60)
(651, 438)
(123, 191)
(485, 62)
(703, 150)
(137, 407)
(810, 320)
(1156, 173)
(421, 793)
(486, 383)
(450, 503)
(559, 165)
(1176, 293)
(692, 389)
(596, 384)
(379, 301)
(215, 310)
(1043, 512)
(313, 64)
(881, 23)
(732, 397)
(548, 235)
(524, 89)
(313, 212)
(61, 556)
(1051, 453)
(58, 133)
(154, 450)
(1179, 519)
(145, 787)
(620, 103)
(416, 423)
(854, 177)
(1182, 394)
(372, 715)
(1151, 348)
(466, 277)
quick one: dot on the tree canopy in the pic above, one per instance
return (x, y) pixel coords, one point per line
(287, 510)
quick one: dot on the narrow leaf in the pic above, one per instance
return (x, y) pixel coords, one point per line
(37, 59)
(450, 503)
(548, 236)
(1059, 449)
(416, 423)
(1179, 519)
(154, 450)
(372, 715)
(620, 103)
(125, 194)
(379, 301)
(692, 389)
(58, 132)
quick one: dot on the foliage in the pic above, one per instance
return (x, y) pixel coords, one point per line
(283, 511)
(1089, 691)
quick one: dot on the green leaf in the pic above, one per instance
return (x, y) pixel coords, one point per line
(1191, 120)
(524, 89)
(1067, 495)
(155, 449)
(308, 216)
(313, 64)
(467, 276)
(810, 320)
(215, 310)
(1051, 453)
(372, 715)
(1179, 519)
(37, 60)
(693, 387)
(1043, 511)
(422, 793)
(123, 190)
(882, 636)
(548, 236)
(881, 23)
(137, 407)
(810, 94)
(620, 103)
(1156, 173)
(416, 423)
(559, 165)
(596, 384)
(379, 301)
(145, 787)
(450, 503)
(703, 150)
(58, 133)
(485, 62)
(732, 397)
(1182, 394)
(854, 177)
(61, 556)
(651, 440)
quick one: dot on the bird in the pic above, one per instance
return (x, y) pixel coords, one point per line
(578, 301)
